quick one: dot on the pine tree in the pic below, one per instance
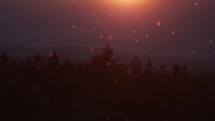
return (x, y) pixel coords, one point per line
(185, 72)
(37, 63)
(105, 59)
(4, 59)
(149, 70)
(162, 72)
(53, 60)
(176, 71)
(136, 65)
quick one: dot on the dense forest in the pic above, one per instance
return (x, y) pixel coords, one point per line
(102, 89)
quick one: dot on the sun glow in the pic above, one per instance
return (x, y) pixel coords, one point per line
(128, 2)
(129, 5)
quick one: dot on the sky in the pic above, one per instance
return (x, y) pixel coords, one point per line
(182, 28)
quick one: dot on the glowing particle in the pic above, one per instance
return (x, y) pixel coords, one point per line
(193, 52)
(97, 22)
(111, 15)
(108, 118)
(101, 36)
(196, 4)
(172, 33)
(92, 49)
(135, 31)
(58, 98)
(110, 37)
(116, 81)
(136, 40)
(211, 41)
(158, 23)
(94, 29)
(129, 72)
(179, 105)
(59, 37)
(77, 44)
(147, 35)
(108, 63)
(51, 54)
(73, 26)
(93, 13)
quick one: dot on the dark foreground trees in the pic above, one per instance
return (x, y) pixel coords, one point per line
(103, 89)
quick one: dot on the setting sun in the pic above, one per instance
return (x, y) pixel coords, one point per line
(128, 2)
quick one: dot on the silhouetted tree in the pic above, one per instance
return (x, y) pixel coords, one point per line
(105, 59)
(29, 62)
(37, 62)
(149, 69)
(103, 85)
(4, 65)
(176, 71)
(185, 72)
(4, 59)
(21, 65)
(53, 60)
(162, 72)
(136, 65)
(67, 64)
